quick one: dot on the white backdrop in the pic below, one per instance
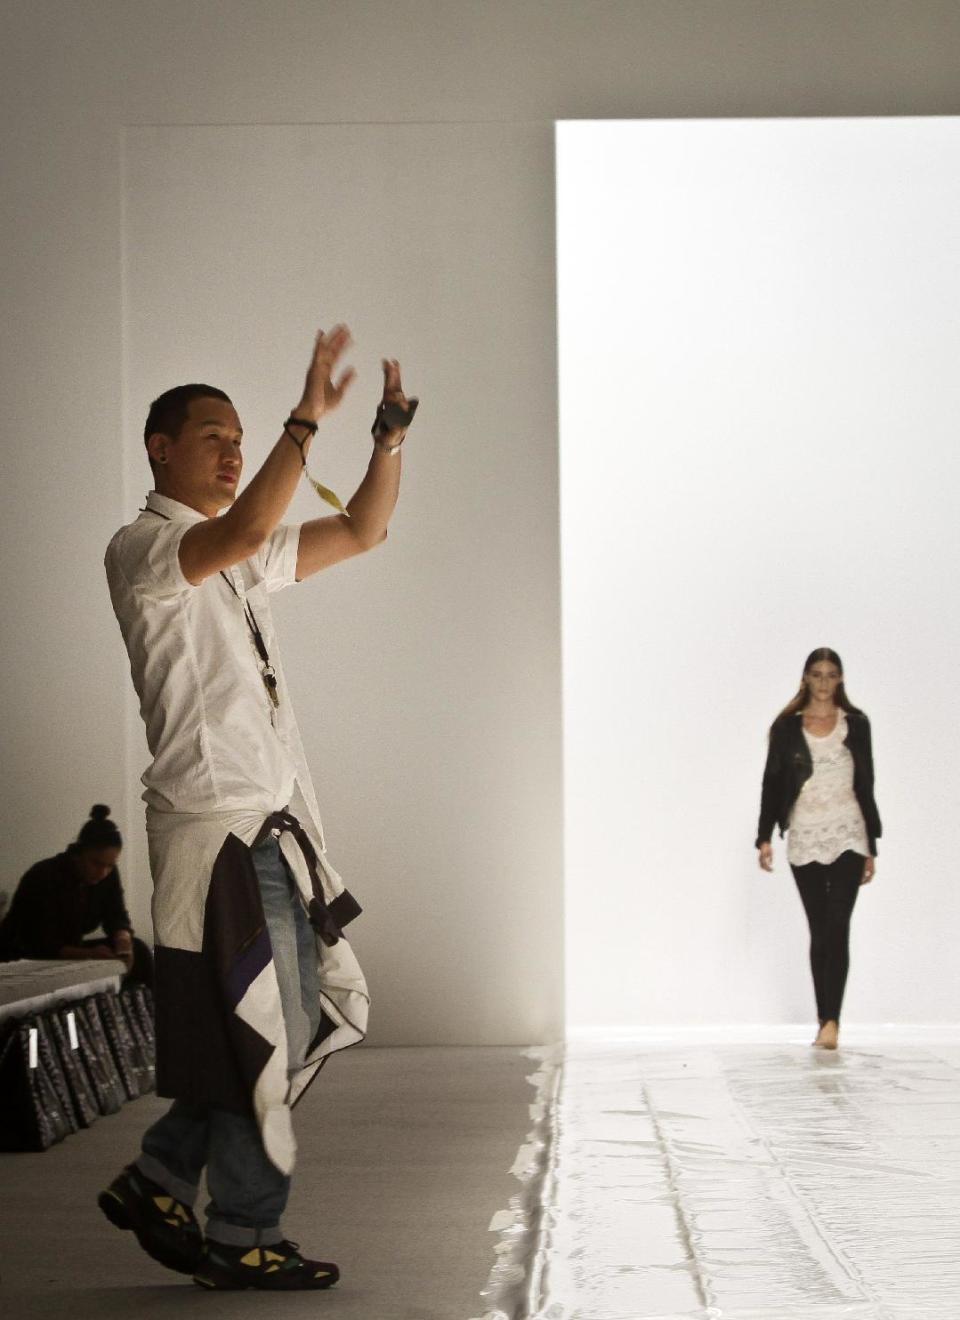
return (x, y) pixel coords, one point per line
(759, 341)
(470, 93)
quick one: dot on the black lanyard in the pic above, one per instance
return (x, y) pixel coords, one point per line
(267, 673)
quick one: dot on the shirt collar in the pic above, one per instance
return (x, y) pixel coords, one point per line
(173, 509)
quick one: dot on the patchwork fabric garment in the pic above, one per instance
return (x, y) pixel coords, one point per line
(220, 1030)
(228, 766)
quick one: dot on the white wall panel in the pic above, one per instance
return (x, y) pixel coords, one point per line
(759, 399)
(425, 674)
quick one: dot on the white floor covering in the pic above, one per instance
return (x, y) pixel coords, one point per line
(760, 1181)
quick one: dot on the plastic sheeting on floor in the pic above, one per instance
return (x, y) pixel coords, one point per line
(737, 1182)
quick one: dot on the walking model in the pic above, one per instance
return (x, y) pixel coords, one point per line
(818, 784)
(255, 985)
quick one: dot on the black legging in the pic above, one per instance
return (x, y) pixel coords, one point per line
(829, 894)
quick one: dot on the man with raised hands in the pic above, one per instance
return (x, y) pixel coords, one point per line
(256, 985)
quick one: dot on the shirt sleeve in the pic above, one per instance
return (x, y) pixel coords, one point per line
(770, 793)
(148, 557)
(37, 926)
(275, 563)
(113, 910)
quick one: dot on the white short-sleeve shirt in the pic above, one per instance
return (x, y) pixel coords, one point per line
(217, 741)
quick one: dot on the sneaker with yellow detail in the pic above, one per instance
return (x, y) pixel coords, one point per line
(275, 1267)
(165, 1227)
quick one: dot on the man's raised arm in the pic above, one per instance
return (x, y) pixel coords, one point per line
(326, 541)
(217, 543)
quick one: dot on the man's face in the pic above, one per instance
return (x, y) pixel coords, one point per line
(201, 467)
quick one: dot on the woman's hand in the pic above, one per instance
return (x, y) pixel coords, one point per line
(869, 870)
(101, 951)
(765, 856)
(123, 947)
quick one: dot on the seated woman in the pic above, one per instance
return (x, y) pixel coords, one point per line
(60, 900)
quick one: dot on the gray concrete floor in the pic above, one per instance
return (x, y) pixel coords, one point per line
(404, 1158)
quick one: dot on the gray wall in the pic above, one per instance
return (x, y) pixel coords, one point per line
(460, 866)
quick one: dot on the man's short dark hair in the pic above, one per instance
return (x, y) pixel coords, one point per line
(169, 412)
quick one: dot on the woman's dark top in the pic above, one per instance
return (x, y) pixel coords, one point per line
(790, 765)
(53, 907)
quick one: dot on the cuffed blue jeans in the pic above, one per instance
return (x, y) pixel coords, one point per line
(248, 1194)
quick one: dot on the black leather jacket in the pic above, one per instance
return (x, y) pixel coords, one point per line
(789, 766)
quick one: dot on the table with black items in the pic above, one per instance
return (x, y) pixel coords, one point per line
(73, 1046)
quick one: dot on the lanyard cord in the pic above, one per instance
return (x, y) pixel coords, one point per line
(255, 632)
(268, 673)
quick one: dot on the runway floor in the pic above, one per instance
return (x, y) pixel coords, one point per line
(761, 1181)
(742, 1182)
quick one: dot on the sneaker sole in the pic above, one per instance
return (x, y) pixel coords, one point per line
(220, 1285)
(222, 1281)
(235, 1285)
(119, 1215)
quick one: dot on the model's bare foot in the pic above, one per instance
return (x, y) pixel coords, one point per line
(827, 1036)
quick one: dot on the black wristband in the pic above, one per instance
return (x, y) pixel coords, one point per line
(312, 427)
(299, 443)
(393, 417)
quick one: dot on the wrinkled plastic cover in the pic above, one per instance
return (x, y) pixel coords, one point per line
(736, 1182)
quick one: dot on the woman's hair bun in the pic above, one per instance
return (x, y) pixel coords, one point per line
(99, 831)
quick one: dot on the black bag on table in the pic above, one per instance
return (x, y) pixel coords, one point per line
(140, 999)
(142, 1055)
(66, 1040)
(120, 1041)
(50, 1061)
(33, 1115)
(97, 1059)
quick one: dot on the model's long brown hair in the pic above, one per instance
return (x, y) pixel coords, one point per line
(802, 697)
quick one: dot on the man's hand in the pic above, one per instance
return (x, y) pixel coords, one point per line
(765, 856)
(326, 541)
(394, 396)
(210, 546)
(321, 393)
(392, 389)
(869, 870)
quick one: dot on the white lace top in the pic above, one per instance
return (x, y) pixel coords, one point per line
(826, 819)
